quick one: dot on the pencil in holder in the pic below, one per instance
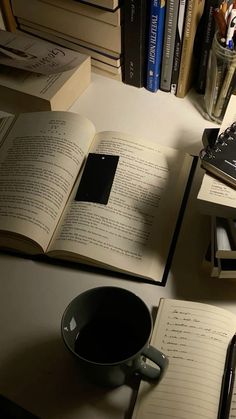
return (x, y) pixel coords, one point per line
(221, 78)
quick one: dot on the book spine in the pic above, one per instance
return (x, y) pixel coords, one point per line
(194, 12)
(178, 47)
(155, 44)
(135, 42)
(171, 19)
(204, 41)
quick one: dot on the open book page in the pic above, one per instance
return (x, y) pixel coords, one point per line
(133, 231)
(195, 338)
(214, 196)
(39, 162)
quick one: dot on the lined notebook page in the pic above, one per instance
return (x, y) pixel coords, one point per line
(195, 338)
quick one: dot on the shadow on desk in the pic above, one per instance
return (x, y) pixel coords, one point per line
(189, 279)
(46, 379)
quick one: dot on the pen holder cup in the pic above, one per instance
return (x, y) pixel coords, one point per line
(221, 79)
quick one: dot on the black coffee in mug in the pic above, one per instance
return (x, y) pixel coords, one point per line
(108, 330)
(108, 339)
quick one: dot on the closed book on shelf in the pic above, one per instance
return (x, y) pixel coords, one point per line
(22, 91)
(155, 44)
(203, 42)
(136, 18)
(48, 33)
(65, 21)
(194, 10)
(178, 46)
(97, 13)
(171, 20)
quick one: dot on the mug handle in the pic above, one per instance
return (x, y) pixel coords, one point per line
(147, 371)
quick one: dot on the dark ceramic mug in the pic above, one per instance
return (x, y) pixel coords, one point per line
(108, 330)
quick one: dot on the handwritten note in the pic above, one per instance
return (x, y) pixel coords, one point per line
(195, 337)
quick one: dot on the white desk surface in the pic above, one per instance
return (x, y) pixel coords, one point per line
(35, 368)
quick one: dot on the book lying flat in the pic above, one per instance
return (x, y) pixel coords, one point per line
(195, 337)
(104, 199)
(76, 25)
(23, 91)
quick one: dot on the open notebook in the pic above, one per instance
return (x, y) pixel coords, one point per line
(195, 337)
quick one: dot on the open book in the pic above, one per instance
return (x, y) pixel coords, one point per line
(118, 211)
(195, 337)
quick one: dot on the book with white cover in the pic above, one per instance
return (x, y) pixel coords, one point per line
(22, 91)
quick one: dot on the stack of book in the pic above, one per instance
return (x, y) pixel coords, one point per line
(92, 28)
(217, 194)
(38, 75)
(156, 44)
(144, 44)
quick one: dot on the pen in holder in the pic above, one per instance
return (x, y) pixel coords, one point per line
(221, 78)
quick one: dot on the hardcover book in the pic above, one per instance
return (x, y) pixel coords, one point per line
(105, 199)
(113, 17)
(136, 18)
(203, 42)
(195, 337)
(194, 10)
(65, 21)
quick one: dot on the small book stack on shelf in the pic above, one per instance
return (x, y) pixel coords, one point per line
(36, 75)
(217, 194)
(143, 43)
(157, 44)
(91, 27)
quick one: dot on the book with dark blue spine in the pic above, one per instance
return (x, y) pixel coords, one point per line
(155, 44)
